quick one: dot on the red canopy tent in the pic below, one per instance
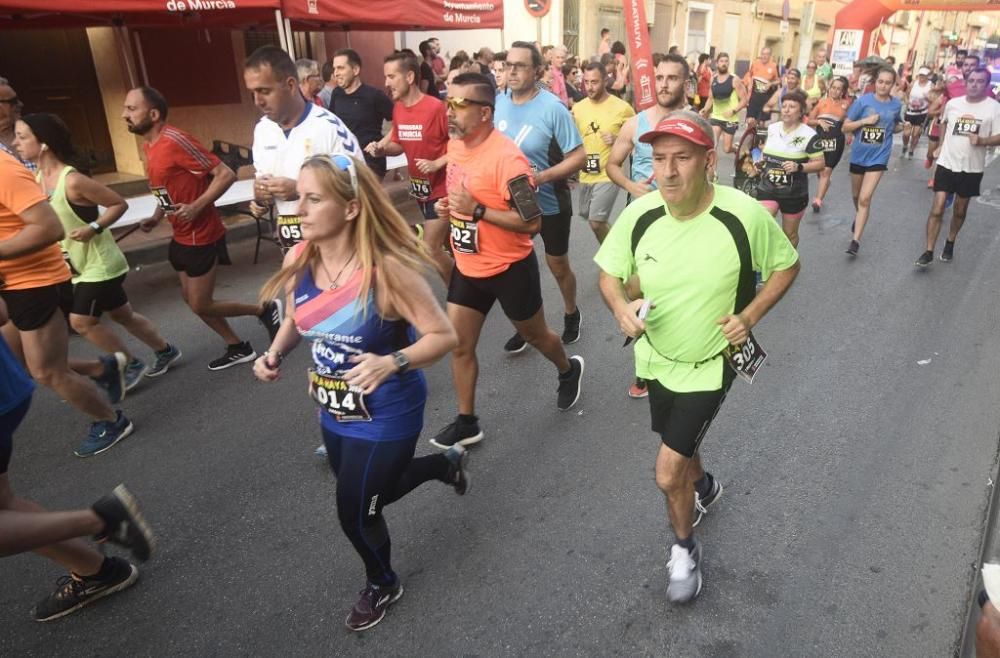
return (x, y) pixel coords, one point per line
(395, 14)
(45, 14)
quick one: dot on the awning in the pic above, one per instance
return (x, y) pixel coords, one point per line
(45, 14)
(321, 15)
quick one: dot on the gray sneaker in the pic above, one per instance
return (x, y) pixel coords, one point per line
(134, 370)
(164, 360)
(685, 573)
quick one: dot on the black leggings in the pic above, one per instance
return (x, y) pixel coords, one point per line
(370, 475)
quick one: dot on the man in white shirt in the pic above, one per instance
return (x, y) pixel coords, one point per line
(969, 124)
(291, 131)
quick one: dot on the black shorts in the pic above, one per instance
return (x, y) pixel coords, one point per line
(555, 232)
(30, 309)
(755, 108)
(92, 299)
(681, 419)
(728, 127)
(864, 169)
(786, 206)
(519, 290)
(915, 119)
(199, 260)
(8, 424)
(832, 158)
(427, 209)
(960, 183)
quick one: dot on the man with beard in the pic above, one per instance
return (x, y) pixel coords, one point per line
(727, 98)
(187, 179)
(362, 107)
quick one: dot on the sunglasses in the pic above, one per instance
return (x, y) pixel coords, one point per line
(458, 103)
(13, 101)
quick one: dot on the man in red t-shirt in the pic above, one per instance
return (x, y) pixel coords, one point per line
(187, 180)
(419, 130)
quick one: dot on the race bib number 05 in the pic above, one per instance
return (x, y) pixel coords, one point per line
(465, 235)
(289, 231)
(420, 188)
(746, 359)
(163, 198)
(593, 164)
(338, 398)
(872, 135)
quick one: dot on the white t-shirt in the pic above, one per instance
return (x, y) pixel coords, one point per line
(320, 133)
(919, 103)
(963, 119)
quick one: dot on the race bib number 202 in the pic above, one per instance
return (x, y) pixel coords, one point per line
(465, 235)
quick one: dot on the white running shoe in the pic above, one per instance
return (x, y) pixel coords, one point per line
(685, 573)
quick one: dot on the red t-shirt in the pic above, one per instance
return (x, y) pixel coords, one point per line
(177, 163)
(422, 131)
(705, 83)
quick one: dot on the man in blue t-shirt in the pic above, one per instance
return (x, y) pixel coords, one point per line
(544, 130)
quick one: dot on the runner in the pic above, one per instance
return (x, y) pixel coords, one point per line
(762, 79)
(917, 105)
(355, 289)
(420, 132)
(493, 211)
(938, 97)
(10, 112)
(666, 238)
(969, 124)
(671, 75)
(187, 179)
(98, 265)
(791, 153)
(544, 130)
(793, 82)
(727, 99)
(289, 131)
(827, 118)
(876, 116)
(814, 85)
(599, 118)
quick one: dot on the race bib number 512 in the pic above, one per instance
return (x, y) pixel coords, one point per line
(746, 359)
(335, 396)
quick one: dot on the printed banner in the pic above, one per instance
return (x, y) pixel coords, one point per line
(396, 15)
(846, 50)
(643, 76)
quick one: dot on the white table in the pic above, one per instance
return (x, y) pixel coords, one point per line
(141, 208)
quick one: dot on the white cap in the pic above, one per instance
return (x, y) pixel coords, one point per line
(924, 71)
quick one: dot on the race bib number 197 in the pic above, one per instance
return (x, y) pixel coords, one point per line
(746, 359)
(872, 135)
(335, 396)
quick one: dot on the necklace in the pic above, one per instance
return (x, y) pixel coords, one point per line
(334, 281)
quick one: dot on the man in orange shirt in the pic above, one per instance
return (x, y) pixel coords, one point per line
(493, 212)
(762, 79)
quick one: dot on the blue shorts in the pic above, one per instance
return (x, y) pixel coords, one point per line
(8, 424)
(427, 209)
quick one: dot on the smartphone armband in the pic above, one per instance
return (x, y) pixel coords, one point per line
(523, 198)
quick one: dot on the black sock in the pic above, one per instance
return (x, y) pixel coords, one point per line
(949, 243)
(687, 544)
(468, 419)
(703, 485)
(165, 349)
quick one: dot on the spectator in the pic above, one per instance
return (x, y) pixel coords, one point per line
(703, 75)
(428, 79)
(557, 57)
(484, 58)
(604, 47)
(574, 83)
(310, 80)
(615, 73)
(673, 50)
(823, 68)
(499, 71)
(362, 107)
(329, 84)
(438, 64)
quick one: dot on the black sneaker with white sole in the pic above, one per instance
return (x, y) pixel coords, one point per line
(461, 432)
(125, 525)
(701, 505)
(515, 344)
(570, 384)
(271, 317)
(74, 592)
(370, 608)
(458, 468)
(948, 253)
(925, 259)
(571, 327)
(235, 354)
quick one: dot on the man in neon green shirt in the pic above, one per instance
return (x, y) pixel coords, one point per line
(695, 247)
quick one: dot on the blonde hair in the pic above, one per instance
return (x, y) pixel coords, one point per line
(379, 232)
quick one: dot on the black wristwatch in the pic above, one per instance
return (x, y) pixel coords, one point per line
(401, 361)
(801, 168)
(479, 212)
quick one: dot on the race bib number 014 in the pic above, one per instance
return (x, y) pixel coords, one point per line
(465, 235)
(289, 231)
(335, 396)
(746, 359)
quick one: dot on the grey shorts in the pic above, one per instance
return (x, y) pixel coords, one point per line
(597, 200)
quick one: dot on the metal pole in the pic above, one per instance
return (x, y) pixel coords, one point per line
(289, 38)
(281, 29)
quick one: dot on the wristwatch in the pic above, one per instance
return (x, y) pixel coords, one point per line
(479, 212)
(96, 227)
(801, 168)
(401, 361)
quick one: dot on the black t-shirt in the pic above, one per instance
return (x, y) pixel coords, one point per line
(427, 73)
(363, 111)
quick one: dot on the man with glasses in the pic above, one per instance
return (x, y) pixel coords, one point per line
(493, 211)
(10, 112)
(543, 129)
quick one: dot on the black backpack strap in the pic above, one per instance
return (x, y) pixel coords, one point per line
(747, 286)
(643, 223)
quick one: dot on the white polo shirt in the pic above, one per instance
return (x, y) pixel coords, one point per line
(964, 119)
(319, 132)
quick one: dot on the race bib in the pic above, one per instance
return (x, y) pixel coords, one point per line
(965, 126)
(163, 198)
(761, 86)
(465, 235)
(335, 396)
(593, 164)
(828, 145)
(778, 177)
(746, 359)
(420, 188)
(872, 135)
(289, 231)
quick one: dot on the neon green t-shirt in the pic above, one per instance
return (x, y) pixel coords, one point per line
(690, 270)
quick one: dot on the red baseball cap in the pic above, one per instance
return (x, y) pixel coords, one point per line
(681, 127)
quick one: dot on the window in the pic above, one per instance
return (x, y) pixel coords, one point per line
(699, 28)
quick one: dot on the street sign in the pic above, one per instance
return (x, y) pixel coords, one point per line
(783, 27)
(538, 8)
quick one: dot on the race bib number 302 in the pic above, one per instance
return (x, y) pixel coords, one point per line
(289, 231)
(746, 359)
(465, 235)
(335, 396)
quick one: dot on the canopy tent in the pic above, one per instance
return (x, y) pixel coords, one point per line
(45, 14)
(390, 15)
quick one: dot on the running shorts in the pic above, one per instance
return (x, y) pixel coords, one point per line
(597, 200)
(518, 288)
(786, 206)
(755, 108)
(832, 158)
(960, 183)
(94, 298)
(728, 127)
(8, 425)
(30, 309)
(555, 232)
(864, 169)
(915, 119)
(427, 209)
(198, 260)
(681, 419)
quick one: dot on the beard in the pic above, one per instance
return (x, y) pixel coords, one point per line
(140, 128)
(675, 101)
(723, 70)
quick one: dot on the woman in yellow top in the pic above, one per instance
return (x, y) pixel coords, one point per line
(813, 85)
(98, 265)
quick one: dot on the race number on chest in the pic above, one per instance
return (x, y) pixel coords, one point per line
(465, 235)
(163, 198)
(965, 126)
(338, 398)
(420, 188)
(289, 230)
(872, 135)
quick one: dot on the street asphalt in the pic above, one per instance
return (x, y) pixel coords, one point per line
(856, 469)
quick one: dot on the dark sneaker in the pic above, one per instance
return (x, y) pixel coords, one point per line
(112, 379)
(134, 370)
(74, 592)
(271, 317)
(817, 205)
(104, 435)
(685, 573)
(948, 252)
(125, 525)
(463, 433)
(701, 505)
(852, 249)
(164, 360)
(925, 259)
(569, 384)
(638, 389)
(515, 345)
(235, 354)
(458, 474)
(370, 608)
(571, 327)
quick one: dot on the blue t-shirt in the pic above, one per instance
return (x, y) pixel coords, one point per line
(544, 130)
(873, 144)
(15, 385)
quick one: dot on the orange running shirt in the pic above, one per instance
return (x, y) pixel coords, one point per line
(482, 249)
(830, 107)
(19, 192)
(761, 72)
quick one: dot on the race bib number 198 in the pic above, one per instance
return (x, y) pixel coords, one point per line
(746, 359)
(965, 126)
(338, 398)
(289, 231)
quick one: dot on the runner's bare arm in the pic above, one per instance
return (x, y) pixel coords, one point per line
(741, 91)
(616, 298)
(85, 191)
(976, 140)
(222, 178)
(621, 150)
(267, 367)
(41, 229)
(707, 110)
(572, 162)
(461, 200)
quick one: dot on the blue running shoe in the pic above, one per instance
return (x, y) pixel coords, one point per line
(164, 360)
(112, 379)
(104, 434)
(134, 370)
